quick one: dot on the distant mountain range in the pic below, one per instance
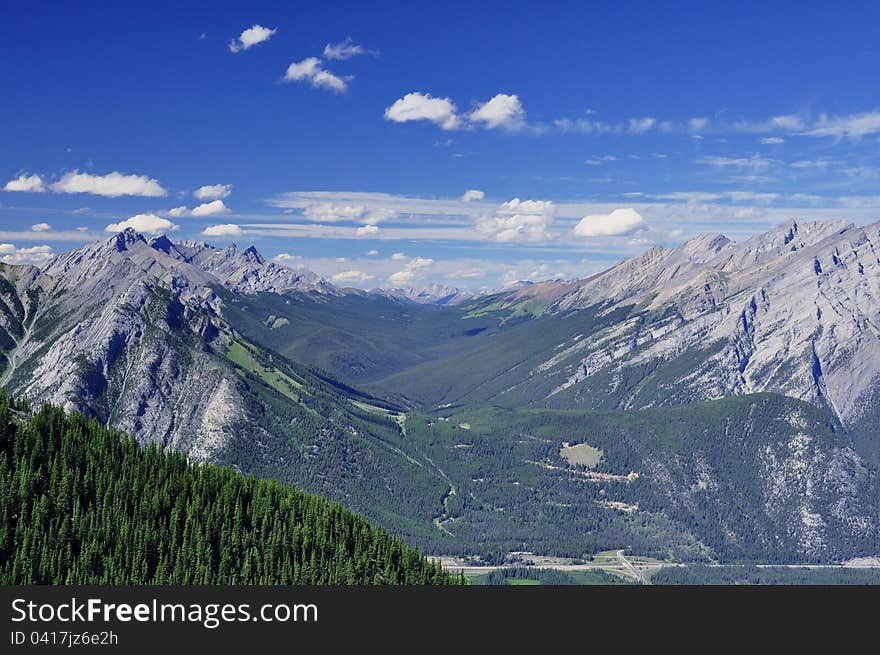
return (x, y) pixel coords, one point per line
(730, 390)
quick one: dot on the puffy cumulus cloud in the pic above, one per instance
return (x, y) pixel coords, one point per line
(412, 271)
(398, 256)
(351, 276)
(41, 227)
(212, 208)
(424, 107)
(286, 258)
(250, 37)
(502, 111)
(111, 185)
(147, 223)
(36, 255)
(372, 253)
(367, 231)
(213, 191)
(519, 220)
(472, 194)
(178, 212)
(618, 223)
(26, 183)
(225, 230)
(344, 50)
(312, 71)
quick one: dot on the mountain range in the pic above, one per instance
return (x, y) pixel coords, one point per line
(714, 401)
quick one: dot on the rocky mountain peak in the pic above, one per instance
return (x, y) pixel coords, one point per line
(124, 240)
(162, 243)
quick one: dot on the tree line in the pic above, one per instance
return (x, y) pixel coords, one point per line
(81, 504)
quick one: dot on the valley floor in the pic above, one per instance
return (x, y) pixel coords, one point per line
(641, 570)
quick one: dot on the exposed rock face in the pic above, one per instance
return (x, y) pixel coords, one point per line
(794, 311)
(131, 332)
(243, 271)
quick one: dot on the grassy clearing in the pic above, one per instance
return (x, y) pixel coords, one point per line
(242, 357)
(400, 419)
(582, 453)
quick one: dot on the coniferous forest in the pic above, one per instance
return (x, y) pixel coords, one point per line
(80, 504)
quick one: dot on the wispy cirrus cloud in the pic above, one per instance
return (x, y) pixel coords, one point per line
(345, 50)
(853, 126)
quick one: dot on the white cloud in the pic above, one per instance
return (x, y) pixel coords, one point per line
(41, 227)
(751, 196)
(519, 220)
(251, 37)
(367, 231)
(148, 223)
(853, 126)
(178, 212)
(472, 194)
(213, 191)
(328, 212)
(641, 125)
(344, 50)
(226, 230)
(784, 123)
(772, 140)
(584, 126)
(352, 276)
(372, 253)
(811, 163)
(286, 258)
(210, 209)
(311, 70)
(27, 183)
(36, 255)
(698, 124)
(503, 110)
(377, 215)
(412, 271)
(111, 185)
(423, 107)
(755, 161)
(618, 223)
(399, 256)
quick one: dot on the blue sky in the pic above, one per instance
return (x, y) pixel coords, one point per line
(345, 137)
